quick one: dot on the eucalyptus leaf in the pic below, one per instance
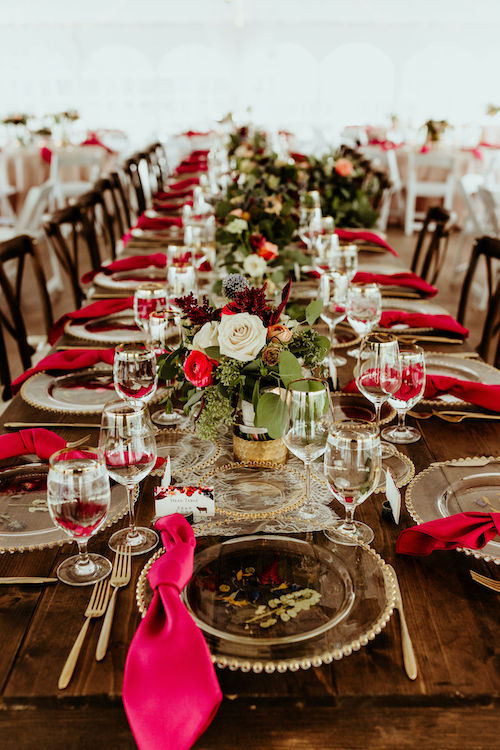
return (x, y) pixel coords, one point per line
(272, 413)
(289, 367)
(313, 311)
(213, 352)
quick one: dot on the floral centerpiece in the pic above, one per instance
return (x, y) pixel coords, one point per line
(435, 129)
(233, 359)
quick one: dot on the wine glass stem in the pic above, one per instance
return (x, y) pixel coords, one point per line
(84, 564)
(378, 409)
(349, 518)
(131, 512)
(307, 505)
(401, 421)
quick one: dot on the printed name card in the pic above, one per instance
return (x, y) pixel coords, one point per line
(393, 495)
(198, 501)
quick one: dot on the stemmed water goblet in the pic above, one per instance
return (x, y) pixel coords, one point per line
(166, 336)
(147, 298)
(134, 372)
(364, 308)
(309, 417)
(78, 498)
(411, 390)
(352, 469)
(129, 449)
(333, 294)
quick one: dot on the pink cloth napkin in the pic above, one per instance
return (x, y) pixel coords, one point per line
(159, 222)
(471, 530)
(352, 235)
(94, 310)
(43, 443)
(409, 279)
(73, 359)
(158, 260)
(447, 323)
(170, 689)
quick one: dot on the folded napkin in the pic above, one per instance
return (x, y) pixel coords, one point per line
(176, 207)
(196, 133)
(95, 310)
(479, 394)
(198, 154)
(46, 154)
(191, 166)
(408, 279)
(385, 145)
(39, 441)
(353, 235)
(158, 260)
(93, 140)
(446, 323)
(296, 156)
(471, 530)
(170, 689)
(73, 359)
(183, 184)
(158, 222)
(162, 195)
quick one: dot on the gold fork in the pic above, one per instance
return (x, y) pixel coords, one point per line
(95, 608)
(490, 583)
(120, 576)
(75, 443)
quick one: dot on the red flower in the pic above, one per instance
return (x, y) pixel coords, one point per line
(257, 241)
(198, 369)
(268, 251)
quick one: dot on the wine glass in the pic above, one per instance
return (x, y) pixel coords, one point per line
(78, 497)
(166, 336)
(129, 448)
(342, 259)
(148, 297)
(412, 388)
(364, 308)
(134, 372)
(378, 373)
(352, 470)
(309, 417)
(333, 293)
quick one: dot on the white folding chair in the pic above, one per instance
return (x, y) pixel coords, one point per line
(475, 224)
(387, 161)
(429, 188)
(90, 158)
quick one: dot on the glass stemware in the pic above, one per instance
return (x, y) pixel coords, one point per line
(333, 293)
(342, 259)
(352, 469)
(129, 448)
(134, 372)
(410, 392)
(309, 417)
(78, 498)
(364, 308)
(378, 373)
(147, 298)
(166, 336)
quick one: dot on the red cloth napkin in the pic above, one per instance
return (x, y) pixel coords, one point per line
(73, 359)
(421, 320)
(385, 145)
(43, 443)
(163, 195)
(95, 310)
(176, 207)
(479, 394)
(93, 140)
(296, 156)
(196, 133)
(471, 530)
(158, 260)
(46, 154)
(184, 184)
(170, 689)
(351, 235)
(409, 279)
(159, 222)
(191, 166)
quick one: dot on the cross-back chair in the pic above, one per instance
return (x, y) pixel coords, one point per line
(131, 170)
(489, 249)
(432, 243)
(121, 201)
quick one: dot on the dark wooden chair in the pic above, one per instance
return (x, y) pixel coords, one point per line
(487, 248)
(100, 217)
(18, 261)
(131, 170)
(158, 166)
(432, 243)
(121, 202)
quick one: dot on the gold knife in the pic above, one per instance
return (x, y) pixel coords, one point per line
(51, 425)
(27, 579)
(409, 661)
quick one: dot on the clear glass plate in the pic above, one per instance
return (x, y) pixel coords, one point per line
(130, 279)
(187, 451)
(356, 406)
(25, 522)
(267, 603)
(110, 329)
(448, 487)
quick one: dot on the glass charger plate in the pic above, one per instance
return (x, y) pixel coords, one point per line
(356, 406)
(249, 491)
(187, 451)
(272, 603)
(25, 522)
(458, 486)
(110, 329)
(463, 369)
(82, 392)
(130, 280)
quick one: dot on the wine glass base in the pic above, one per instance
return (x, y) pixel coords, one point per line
(386, 450)
(72, 574)
(340, 534)
(307, 512)
(402, 435)
(175, 419)
(143, 541)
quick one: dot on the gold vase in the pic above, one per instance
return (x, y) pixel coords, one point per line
(259, 451)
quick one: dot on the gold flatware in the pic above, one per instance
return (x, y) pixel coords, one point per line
(95, 608)
(490, 583)
(464, 355)
(408, 339)
(83, 346)
(409, 661)
(75, 443)
(120, 576)
(27, 579)
(452, 416)
(52, 425)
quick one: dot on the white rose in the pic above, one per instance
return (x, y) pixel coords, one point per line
(254, 266)
(241, 336)
(236, 226)
(208, 335)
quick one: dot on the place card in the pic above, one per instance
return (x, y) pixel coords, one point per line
(195, 501)
(393, 496)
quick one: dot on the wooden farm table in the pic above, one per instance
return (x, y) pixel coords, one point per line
(363, 701)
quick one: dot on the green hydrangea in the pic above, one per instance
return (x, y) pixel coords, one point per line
(229, 372)
(217, 409)
(307, 344)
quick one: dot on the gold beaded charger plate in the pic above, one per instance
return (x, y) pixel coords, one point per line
(437, 363)
(458, 486)
(25, 522)
(356, 406)
(275, 603)
(187, 451)
(130, 280)
(252, 491)
(119, 328)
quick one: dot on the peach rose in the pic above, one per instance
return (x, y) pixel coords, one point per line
(240, 213)
(268, 250)
(279, 332)
(344, 167)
